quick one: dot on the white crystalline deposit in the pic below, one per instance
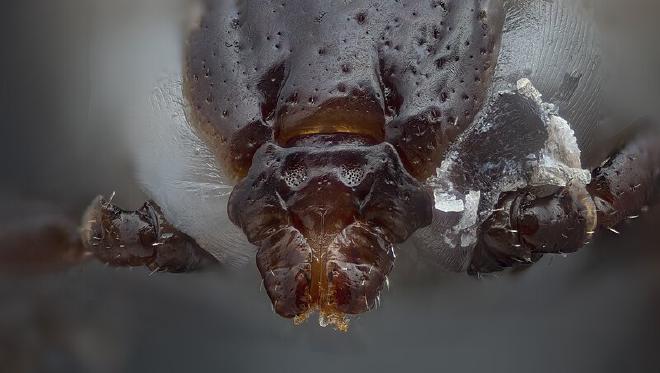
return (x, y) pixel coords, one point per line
(469, 217)
(447, 202)
(460, 209)
(468, 222)
(559, 161)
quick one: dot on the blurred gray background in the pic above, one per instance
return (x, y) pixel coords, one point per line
(70, 71)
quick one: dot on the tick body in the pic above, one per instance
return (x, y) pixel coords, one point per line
(319, 135)
(345, 110)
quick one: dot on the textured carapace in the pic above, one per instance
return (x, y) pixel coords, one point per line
(331, 115)
(413, 73)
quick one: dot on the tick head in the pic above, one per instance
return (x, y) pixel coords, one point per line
(325, 220)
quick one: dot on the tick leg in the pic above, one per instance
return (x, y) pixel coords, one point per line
(139, 238)
(534, 221)
(44, 242)
(531, 222)
(627, 181)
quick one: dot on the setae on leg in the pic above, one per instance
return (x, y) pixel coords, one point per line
(139, 238)
(531, 222)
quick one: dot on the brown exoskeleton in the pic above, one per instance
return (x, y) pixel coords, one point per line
(322, 134)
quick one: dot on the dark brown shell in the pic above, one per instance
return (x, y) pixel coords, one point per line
(348, 107)
(412, 73)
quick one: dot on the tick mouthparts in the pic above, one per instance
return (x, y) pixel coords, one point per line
(325, 221)
(336, 275)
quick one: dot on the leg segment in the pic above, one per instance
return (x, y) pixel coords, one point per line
(44, 241)
(139, 238)
(531, 222)
(627, 181)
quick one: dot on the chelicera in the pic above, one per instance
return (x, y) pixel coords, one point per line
(321, 135)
